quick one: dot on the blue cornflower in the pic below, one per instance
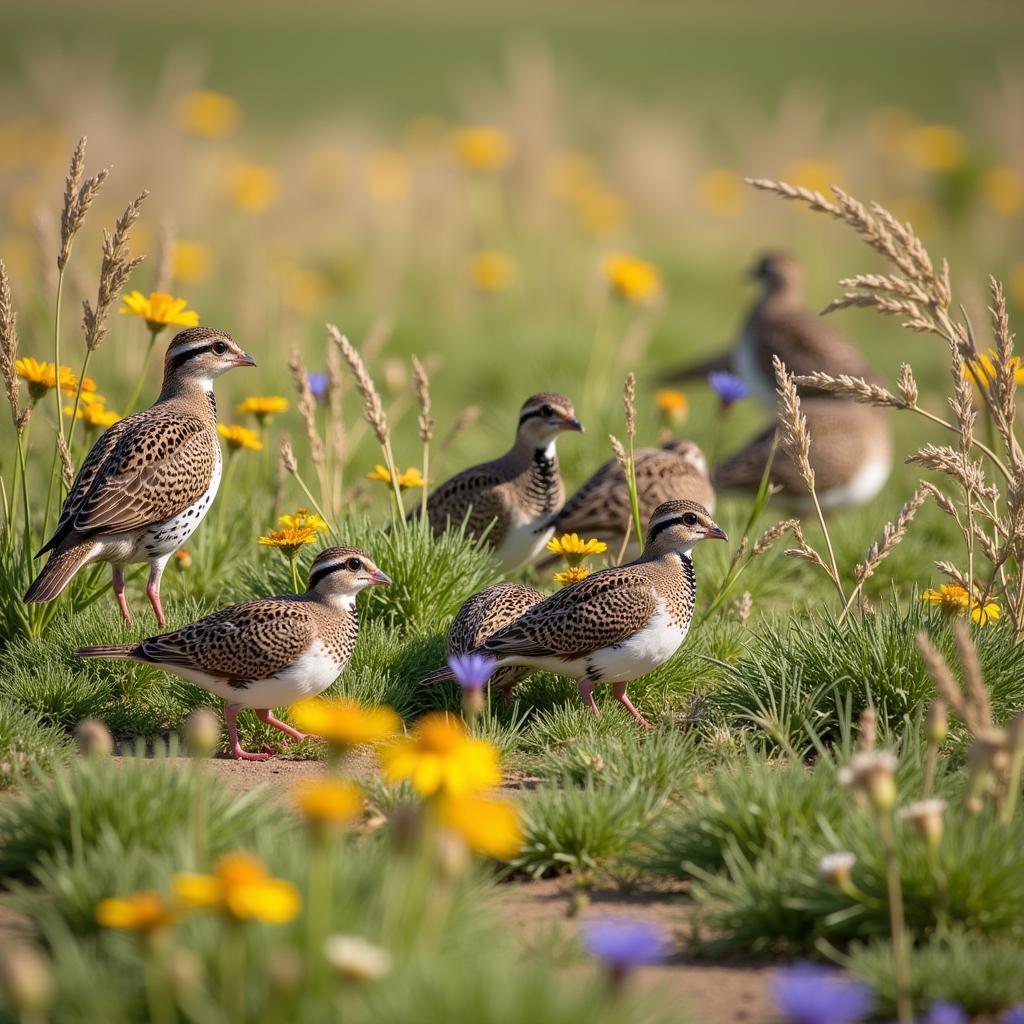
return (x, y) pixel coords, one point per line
(471, 671)
(319, 384)
(944, 1012)
(623, 942)
(812, 994)
(1014, 1015)
(727, 386)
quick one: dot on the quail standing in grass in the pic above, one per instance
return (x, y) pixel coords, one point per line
(600, 508)
(850, 453)
(780, 324)
(479, 619)
(514, 497)
(267, 653)
(619, 623)
(149, 479)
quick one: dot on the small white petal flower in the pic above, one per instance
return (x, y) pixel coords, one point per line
(356, 958)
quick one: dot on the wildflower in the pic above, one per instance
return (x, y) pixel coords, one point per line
(41, 377)
(482, 148)
(1014, 1015)
(319, 385)
(573, 574)
(438, 757)
(982, 368)
(471, 671)
(410, 478)
(493, 271)
(722, 192)
(387, 176)
(836, 867)
(344, 723)
(728, 387)
(209, 114)
(93, 413)
(182, 559)
(303, 519)
(26, 981)
(190, 262)
(93, 738)
(926, 817)
(262, 406)
(812, 994)
(936, 147)
(1003, 189)
(624, 944)
(357, 959)
(254, 187)
(489, 826)
(288, 540)
(202, 732)
(872, 774)
(632, 278)
(159, 309)
(945, 1012)
(329, 803)
(240, 437)
(573, 548)
(144, 912)
(817, 175)
(952, 600)
(674, 406)
(242, 887)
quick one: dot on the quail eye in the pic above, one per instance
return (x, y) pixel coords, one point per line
(547, 411)
(690, 519)
(354, 564)
(219, 347)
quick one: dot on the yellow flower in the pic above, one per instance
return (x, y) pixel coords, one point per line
(982, 368)
(288, 540)
(242, 887)
(493, 271)
(160, 309)
(410, 478)
(573, 547)
(489, 825)
(94, 414)
(1003, 189)
(41, 377)
(254, 187)
(240, 437)
(345, 723)
(144, 912)
(936, 147)
(190, 263)
(631, 278)
(601, 211)
(387, 177)
(329, 802)
(303, 519)
(438, 757)
(722, 192)
(262, 406)
(952, 600)
(573, 574)
(816, 175)
(209, 114)
(482, 148)
(674, 405)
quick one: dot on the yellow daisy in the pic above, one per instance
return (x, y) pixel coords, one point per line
(982, 368)
(631, 278)
(345, 723)
(674, 406)
(482, 148)
(489, 825)
(262, 406)
(159, 310)
(574, 548)
(144, 912)
(952, 599)
(41, 377)
(492, 271)
(302, 519)
(289, 541)
(94, 414)
(240, 437)
(242, 887)
(209, 114)
(573, 574)
(329, 802)
(410, 478)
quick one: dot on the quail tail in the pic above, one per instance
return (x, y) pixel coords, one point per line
(439, 675)
(107, 651)
(57, 573)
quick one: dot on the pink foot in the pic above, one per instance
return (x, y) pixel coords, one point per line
(587, 693)
(153, 593)
(245, 755)
(265, 715)
(117, 581)
(231, 715)
(619, 693)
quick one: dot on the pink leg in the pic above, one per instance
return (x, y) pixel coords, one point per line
(265, 715)
(231, 713)
(156, 571)
(587, 693)
(619, 693)
(122, 602)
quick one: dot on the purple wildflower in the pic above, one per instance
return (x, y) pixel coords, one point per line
(944, 1012)
(623, 942)
(471, 671)
(728, 387)
(1014, 1015)
(319, 384)
(813, 994)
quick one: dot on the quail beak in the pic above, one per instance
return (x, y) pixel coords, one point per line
(571, 423)
(378, 578)
(715, 533)
(244, 359)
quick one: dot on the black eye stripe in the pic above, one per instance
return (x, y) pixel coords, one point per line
(324, 571)
(664, 525)
(183, 357)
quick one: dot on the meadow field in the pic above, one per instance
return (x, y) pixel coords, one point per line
(413, 221)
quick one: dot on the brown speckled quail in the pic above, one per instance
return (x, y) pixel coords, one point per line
(619, 623)
(149, 479)
(267, 653)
